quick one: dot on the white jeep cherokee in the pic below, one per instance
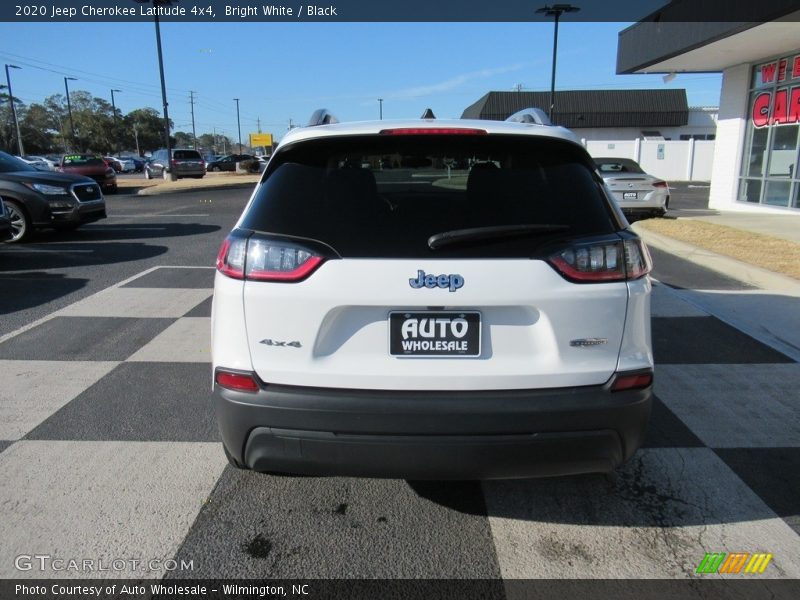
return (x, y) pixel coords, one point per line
(431, 299)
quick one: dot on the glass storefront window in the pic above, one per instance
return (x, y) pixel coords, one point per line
(769, 170)
(783, 153)
(750, 190)
(756, 154)
(777, 193)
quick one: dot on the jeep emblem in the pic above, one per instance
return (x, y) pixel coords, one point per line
(451, 282)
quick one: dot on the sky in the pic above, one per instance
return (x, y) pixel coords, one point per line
(283, 71)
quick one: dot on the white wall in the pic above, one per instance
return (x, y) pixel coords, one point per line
(673, 160)
(730, 137)
(702, 121)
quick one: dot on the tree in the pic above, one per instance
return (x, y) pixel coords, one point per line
(39, 130)
(150, 127)
(183, 140)
(8, 133)
(216, 144)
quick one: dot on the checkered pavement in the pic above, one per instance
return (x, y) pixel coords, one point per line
(109, 449)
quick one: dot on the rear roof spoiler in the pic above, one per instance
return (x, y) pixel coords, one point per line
(322, 116)
(530, 115)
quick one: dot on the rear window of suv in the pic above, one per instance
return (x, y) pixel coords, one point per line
(186, 155)
(385, 196)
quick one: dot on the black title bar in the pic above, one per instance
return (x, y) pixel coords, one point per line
(397, 11)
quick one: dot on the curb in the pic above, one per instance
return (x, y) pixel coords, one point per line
(750, 274)
(157, 190)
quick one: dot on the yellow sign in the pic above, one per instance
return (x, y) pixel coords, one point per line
(260, 139)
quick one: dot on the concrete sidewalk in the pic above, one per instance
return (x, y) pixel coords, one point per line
(786, 226)
(770, 314)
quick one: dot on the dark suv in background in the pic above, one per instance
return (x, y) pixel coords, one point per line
(36, 199)
(185, 163)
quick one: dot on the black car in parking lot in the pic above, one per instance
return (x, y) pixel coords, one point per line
(37, 199)
(228, 163)
(5, 223)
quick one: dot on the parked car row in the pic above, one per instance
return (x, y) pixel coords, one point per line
(34, 199)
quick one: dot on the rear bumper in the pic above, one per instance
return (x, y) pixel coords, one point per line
(644, 211)
(432, 435)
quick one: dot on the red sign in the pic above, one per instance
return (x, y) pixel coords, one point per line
(784, 110)
(782, 66)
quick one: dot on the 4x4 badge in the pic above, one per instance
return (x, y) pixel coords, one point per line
(451, 282)
(268, 342)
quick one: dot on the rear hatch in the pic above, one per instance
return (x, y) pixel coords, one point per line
(454, 260)
(184, 161)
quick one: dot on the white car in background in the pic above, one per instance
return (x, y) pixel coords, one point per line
(40, 162)
(638, 194)
(126, 164)
(406, 320)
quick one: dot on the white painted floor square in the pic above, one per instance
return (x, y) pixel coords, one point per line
(667, 508)
(33, 390)
(137, 302)
(186, 340)
(102, 501)
(735, 406)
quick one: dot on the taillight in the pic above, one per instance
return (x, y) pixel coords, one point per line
(240, 382)
(433, 131)
(230, 259)
(603, 261)
(660, 184)
(632, 381)
(259, 259)
(173, 162)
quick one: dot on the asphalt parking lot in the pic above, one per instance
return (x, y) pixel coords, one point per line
(108, 446)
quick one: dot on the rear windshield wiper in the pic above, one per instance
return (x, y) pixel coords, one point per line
(476, 234)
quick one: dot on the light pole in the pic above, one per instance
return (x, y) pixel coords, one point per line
(156, 4)
(380, 108)
(14, 109)
(238, 124)
(114, 108)
(69, 106)
(555, 11)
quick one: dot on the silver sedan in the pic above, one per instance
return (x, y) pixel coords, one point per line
(638, 194)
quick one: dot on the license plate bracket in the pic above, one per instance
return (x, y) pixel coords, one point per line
(630, 195)
(437, 334)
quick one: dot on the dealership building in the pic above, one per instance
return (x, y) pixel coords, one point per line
(757, 149)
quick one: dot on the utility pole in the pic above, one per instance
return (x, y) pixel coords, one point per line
(156, 4)
(69, 106)
(239, 125)
(380, 104)
(113, 104)
(14, 109)
(136, 137)
(114, 107)
(259, 124)
(194, 133)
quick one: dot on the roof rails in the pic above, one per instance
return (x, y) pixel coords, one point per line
(322, 116)
(530, 115)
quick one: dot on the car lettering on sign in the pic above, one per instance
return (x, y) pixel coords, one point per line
(451, 281)
(427, 328)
